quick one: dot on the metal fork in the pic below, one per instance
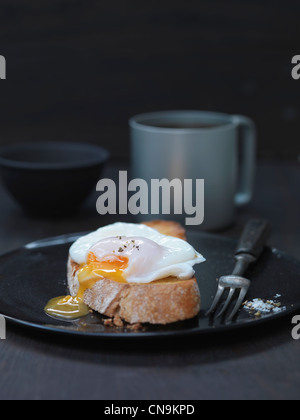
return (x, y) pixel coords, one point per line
(249, 250)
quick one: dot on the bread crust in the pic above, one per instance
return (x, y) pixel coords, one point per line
(168, 228)
(161, 302)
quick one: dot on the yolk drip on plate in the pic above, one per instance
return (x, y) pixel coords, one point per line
(73, 307)
(67, 307)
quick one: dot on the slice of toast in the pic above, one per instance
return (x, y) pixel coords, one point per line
(161, 302)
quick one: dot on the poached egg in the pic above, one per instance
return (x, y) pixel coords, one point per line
(131, 253)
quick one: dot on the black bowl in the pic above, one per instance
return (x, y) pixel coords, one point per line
(51, 178)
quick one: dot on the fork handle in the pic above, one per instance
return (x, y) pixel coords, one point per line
(251, 245)
(254, 238)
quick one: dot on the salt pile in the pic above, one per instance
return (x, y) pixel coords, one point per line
(264, 306)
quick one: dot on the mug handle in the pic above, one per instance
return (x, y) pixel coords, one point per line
(248, 160)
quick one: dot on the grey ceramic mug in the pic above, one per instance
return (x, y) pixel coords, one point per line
(216, 147)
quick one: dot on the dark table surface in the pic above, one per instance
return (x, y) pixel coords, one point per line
(258, 363)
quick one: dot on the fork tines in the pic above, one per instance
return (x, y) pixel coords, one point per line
(233, 284)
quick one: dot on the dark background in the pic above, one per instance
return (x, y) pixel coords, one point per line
(79, 69)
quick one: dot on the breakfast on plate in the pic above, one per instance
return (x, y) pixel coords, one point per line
(133, 274)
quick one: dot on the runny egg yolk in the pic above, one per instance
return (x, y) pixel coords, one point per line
(72, 307)
(111, 267)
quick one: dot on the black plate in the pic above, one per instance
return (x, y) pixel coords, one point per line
(29, 277)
